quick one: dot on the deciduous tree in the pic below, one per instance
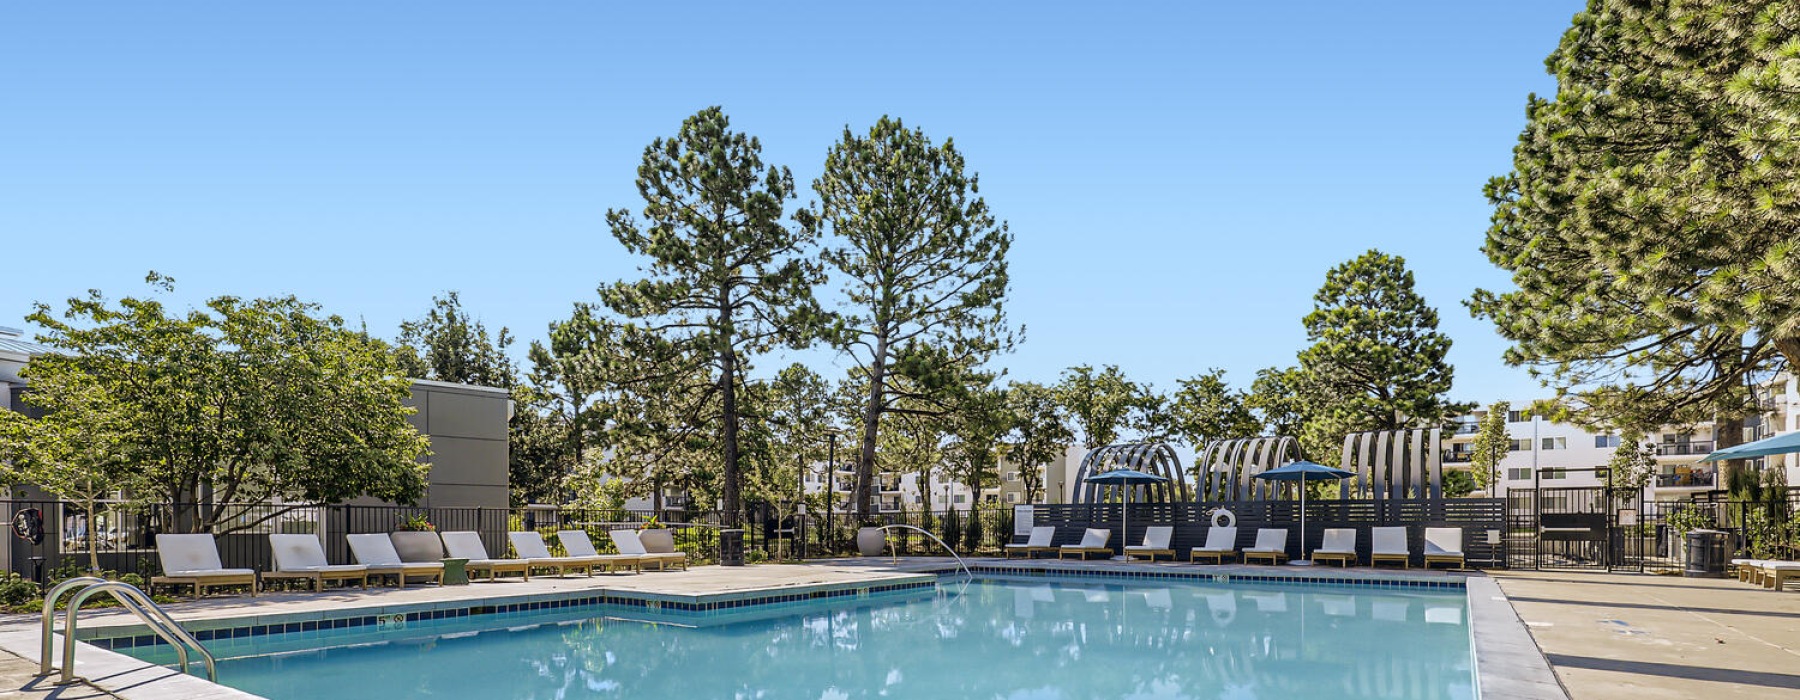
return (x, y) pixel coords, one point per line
(1206, 408)
(1039, 434)
(1100, 404)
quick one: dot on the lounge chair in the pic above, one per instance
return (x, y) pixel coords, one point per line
(1389, 544)
(1156, 542)
(1339, 546)
(377, 552)
(1776, 573)
(301, 557)
(1039, 541)
(1222, 606)
(194, 560)
(1221, 542)
(1444, 545)
(1092, 542)
(1271, 544)
(577, 544)
(1745, 568)
(661, 543)
(467, 545)
(530, 547)
(632, 542)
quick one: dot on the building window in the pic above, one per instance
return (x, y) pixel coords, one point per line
(1607, 441)
(1012, 497)
(1556, 443)
(1518, 474)
(962, 498)
(1521, 445)
(1518, 416)
(1012, 476)
(1553, 473)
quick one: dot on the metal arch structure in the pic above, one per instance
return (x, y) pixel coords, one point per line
(1395, 464)
(1225, 467)
(1148, 457)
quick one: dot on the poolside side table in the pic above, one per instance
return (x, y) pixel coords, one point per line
(455, 571)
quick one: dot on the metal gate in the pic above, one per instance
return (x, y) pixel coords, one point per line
(1594, 528)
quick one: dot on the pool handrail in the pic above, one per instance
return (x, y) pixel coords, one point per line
(132, 599)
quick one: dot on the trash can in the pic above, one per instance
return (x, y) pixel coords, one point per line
(1705, 554)
(731, 548)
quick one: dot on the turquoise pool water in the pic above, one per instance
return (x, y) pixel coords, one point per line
(1018, 640)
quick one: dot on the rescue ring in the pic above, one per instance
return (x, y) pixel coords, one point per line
(1223, 518)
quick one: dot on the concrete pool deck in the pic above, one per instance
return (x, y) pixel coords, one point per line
(1645, 637)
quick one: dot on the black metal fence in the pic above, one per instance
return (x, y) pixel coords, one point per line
(1599, 528)
(1478, 517)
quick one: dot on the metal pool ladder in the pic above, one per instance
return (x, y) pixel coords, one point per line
(132, 599)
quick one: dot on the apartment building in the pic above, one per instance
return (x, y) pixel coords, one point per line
(1547, 453)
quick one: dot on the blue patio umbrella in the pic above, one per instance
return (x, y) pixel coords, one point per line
(1778, 445)
(1304, 471)
(1122, 478)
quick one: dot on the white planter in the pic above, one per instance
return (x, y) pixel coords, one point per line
(871, 541)
(418, 546)
(657, 541)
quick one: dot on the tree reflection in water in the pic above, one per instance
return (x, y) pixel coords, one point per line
(999, 639)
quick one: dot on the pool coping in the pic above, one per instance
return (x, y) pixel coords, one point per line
(1509, 665)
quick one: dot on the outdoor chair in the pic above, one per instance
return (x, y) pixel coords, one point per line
(1339, 546)
(1039, 541)
(577, 544)
(1745, 568)
(467, 545)
(1271, 544)
(1389, 544)
(194, 560)
(529, 546)
(301, 557)
(377, 552)
(632, 542)
(1776, 573)
(1444, 545)
(1221, 542)
(1093, 541)
(1156, 542)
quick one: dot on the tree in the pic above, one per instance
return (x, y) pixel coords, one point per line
(1283, 398)
(1376, 354)
(726, 278)
(241, 403)
(76, 450)
(1491, 446)
(1039, 435)
(924, 268)
(1633, 462)
(1206, 409)
(1100, 404)
(448, 346)
(1649, 218)
(972, 455)
(799, 416)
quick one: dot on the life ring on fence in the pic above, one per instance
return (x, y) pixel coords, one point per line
(1223, 518)
(28, 525)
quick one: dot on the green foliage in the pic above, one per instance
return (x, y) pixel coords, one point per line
(725, 280)
(415, 522)
(1491, 445)
(1633, 463)
(1206, 409)
(76, 451)
(16, 590)
(923, 264)
(953, 527)
(973, 533)
(1102, 404)
(1038, 434)
(1693, 516)
(448, 346)
(243, 401)
(1648, 221)
(1376, 351)
(1458, 483)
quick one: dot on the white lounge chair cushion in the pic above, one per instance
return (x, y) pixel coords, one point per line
(1040, 537)
(189, 553)
(1389, 540)
(1270, 540)
(576, 543)
(1781, 565)
(1444, 541)
(374, 550)
(1094, 538)
(1338, 541)
(1220, 539)
(628, 542)
(467, 545)
(1156, 537)
(297, 552)
(204, 573)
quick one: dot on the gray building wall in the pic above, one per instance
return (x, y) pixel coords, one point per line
(467, 428)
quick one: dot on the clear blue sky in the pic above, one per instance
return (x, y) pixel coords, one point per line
(1178, 176)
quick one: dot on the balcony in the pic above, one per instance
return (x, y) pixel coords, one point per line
(888, 485)
(1676, 449)
(1467, 429)
(1459, 457)
(1684, 480)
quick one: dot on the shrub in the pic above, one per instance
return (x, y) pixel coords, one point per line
(17, 590)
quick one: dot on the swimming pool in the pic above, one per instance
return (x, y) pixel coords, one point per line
(988, 638)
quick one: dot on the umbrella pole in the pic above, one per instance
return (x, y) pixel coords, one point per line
(1303, 554)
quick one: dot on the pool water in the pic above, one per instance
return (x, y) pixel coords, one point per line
(1021, 640)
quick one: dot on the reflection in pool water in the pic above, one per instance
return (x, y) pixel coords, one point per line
(996, 639)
